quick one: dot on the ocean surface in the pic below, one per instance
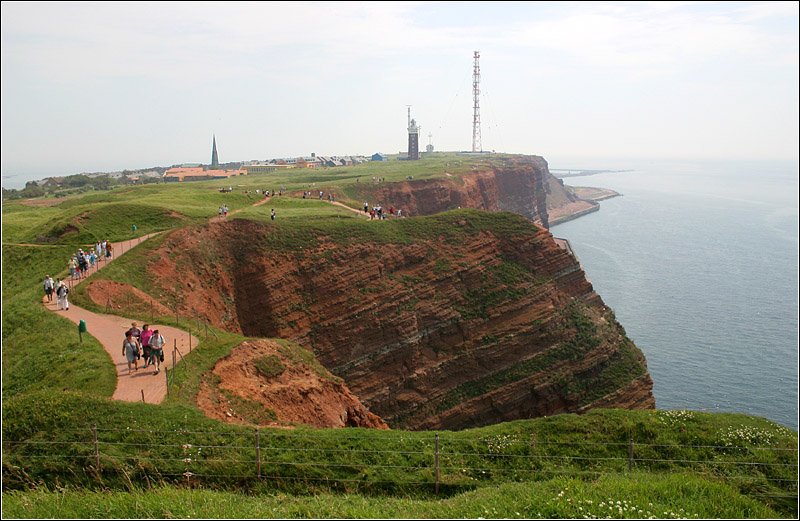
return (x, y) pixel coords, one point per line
(699, 261)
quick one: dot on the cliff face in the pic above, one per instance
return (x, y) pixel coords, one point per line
(448, 321)
(519, 185)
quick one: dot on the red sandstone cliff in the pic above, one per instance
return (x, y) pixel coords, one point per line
(518, 184)
(463, 319)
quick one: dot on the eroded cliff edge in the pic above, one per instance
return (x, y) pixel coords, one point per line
(519, 184)
(448, 321)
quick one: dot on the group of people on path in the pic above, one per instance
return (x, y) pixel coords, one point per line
(59, 288)
(145, 342)
(376, 212)
(223, 210)
(80, 262)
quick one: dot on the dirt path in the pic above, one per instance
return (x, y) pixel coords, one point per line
(109, 330)
(220, 218)
(359, 212)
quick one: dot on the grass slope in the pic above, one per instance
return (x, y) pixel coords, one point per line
(634, 496)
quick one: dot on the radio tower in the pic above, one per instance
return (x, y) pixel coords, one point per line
(476, 106)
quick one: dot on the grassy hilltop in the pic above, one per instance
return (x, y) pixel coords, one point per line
(605, 463)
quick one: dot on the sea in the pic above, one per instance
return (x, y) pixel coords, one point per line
(699, 261)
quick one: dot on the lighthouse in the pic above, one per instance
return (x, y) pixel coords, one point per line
(413, 138)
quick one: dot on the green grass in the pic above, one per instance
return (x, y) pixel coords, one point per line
(640, 495)
(755, 456)
(40, 349)
(269, 366)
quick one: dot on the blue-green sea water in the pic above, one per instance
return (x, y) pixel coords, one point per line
(699, 261)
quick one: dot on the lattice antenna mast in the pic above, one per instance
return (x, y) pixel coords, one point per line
(409, 115)
(476, 106)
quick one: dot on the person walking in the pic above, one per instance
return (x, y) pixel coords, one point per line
(272, 215)
(157, 349)
(109, 250)
(130, 350)
(73, 267)
(136, 332)
(144, 340)
(49, 286)
(61, 296)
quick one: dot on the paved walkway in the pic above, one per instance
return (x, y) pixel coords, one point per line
(109, 330)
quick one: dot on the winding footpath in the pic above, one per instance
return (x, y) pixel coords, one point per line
(109, 330)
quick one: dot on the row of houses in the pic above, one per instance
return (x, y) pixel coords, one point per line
(199, 173)
(312, 161)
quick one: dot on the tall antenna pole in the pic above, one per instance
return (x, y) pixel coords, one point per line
(476, 106)
(409, 115)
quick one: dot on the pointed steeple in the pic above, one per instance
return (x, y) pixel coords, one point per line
(214, 158)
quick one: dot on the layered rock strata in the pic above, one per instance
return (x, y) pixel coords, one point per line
(519, 184)
(448, 321)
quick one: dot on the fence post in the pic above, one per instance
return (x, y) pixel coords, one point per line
(206, 330)
(96, 448)
(176, 317)
(174, 358)
(143, 396)
(190, 337)
(258, 453)
(630, 453)
(437, 463)
(166, 378)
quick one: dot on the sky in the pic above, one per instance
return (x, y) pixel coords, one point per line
(102, 86)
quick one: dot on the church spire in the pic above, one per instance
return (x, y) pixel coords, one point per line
(214, 158)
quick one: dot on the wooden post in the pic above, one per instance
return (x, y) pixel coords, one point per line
(166, 378)
(142, 395)
(630, 453)
(258, 453)
(190, 339)
(437, 462)
(174, 356)
(96, 449)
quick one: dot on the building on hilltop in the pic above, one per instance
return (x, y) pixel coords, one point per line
(413, 140)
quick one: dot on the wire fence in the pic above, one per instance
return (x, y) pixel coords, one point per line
(386, 459)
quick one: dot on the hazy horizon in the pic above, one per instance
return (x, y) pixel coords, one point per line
(90, 87)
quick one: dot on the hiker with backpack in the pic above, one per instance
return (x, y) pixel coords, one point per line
(157, 349)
